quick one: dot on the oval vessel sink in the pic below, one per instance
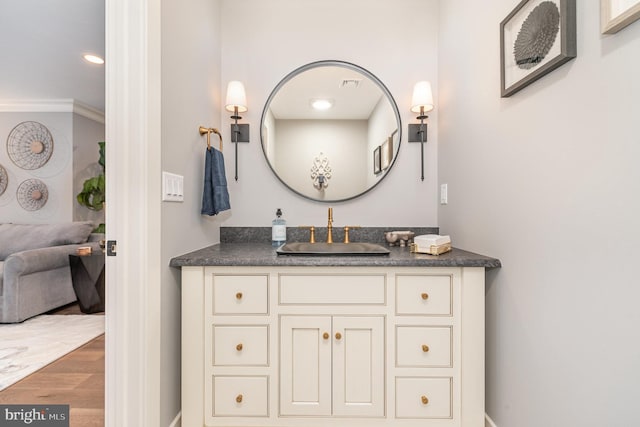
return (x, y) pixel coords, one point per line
(326, 249)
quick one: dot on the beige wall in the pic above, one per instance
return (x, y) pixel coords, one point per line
(548, 181)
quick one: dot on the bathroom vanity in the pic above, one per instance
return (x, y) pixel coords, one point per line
(295, 341)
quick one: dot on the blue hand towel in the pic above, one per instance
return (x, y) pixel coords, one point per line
(216, 196)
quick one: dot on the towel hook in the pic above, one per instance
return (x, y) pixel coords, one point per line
(208, 131)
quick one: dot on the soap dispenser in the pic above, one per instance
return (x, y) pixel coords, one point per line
(278, 229)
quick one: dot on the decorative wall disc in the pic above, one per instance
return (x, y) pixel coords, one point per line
(4, 180)
(32, 194)
(30, 145)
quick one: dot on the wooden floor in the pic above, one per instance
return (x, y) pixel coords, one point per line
(76, 379)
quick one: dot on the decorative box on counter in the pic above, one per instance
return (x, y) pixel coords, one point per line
(432, 244)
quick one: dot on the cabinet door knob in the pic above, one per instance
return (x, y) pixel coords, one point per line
(425, 348)
(239, 295)
(239, 398)
(424, 400)
(424, 295)
(239, 347)
(325, 335)
(338, 335)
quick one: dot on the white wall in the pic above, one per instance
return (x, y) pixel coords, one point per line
(548, 181)
(262, 41)
(190, 98)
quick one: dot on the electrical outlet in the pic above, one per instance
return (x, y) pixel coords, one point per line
(444, 197)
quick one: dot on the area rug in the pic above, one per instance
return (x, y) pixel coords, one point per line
(28, 346)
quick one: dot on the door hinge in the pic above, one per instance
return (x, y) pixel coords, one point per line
(111, 247)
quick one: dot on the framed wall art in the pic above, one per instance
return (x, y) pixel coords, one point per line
(617, 14)
(377, 166)
(537, 37)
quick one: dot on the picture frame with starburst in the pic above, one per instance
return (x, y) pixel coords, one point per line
(537, 37)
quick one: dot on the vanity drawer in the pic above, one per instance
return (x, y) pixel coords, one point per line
(240, 396)
(240, 294)
(332, 289)
(424, 295)
(423, 346)
(423, 397)
(241, 345)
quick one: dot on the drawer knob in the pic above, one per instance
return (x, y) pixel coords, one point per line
(239, 347)
(338, 335)
(239, 295)
(424, 400)
(239, 398)
(425, 348)
(424, 296)
(325, 335)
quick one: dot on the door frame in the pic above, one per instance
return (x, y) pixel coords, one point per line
(133, 153)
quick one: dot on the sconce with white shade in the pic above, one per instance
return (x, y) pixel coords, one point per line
(237, 103)
(421, 103)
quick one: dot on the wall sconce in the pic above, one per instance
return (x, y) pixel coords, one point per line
(421, 103)
(237, 103)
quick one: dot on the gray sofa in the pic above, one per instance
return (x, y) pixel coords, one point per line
(34, 266)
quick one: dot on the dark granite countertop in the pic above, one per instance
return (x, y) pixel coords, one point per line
(263, 254)
(251, 246)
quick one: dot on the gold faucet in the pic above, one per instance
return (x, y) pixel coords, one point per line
(330, 227)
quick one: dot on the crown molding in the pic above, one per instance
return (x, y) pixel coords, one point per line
(52, 106)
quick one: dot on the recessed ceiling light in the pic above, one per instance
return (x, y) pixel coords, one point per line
(321, 104)
(94, 59)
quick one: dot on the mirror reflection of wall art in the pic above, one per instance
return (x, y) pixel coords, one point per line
(386, 153)
(32, 194)
(536, 38)
(4, 180)
(30, 145)
(377, 165)
(617, 14)
(320, 172)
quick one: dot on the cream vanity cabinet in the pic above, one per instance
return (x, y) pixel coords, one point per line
(299, 346)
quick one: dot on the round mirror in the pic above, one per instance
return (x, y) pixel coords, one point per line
(330, 131)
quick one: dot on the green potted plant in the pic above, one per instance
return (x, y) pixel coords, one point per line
(92, 195)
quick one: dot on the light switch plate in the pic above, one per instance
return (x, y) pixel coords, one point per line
(444, 196)
(172, 187)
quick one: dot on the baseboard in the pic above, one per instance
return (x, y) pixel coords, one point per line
(488, 422)
(177, 421)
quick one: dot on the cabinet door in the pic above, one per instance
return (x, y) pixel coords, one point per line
(305, 365)
(358, 366)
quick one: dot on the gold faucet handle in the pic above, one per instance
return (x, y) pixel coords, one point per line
(346, 232)
(312, 232)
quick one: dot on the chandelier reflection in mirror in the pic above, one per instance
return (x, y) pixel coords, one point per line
(320, 172)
